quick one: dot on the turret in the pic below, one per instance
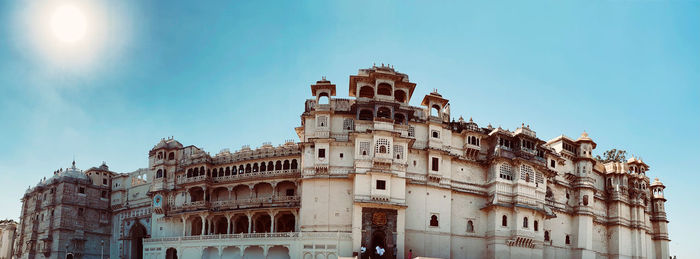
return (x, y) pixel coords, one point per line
(436, 106)
(323, 90)
(658, 219)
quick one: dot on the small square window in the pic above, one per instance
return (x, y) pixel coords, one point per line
(104, 181)
(104, 194)
(81, 190)
(436, 134)
(321, 153)
(552, 163)
(381, 185)
(290, 192)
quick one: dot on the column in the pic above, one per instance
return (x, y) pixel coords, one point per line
(228, 223)
(184, 225)
(203, 223)
(272, 220)
(250, 222)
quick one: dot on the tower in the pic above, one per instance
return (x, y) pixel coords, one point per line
(658, 219)
(584, 187)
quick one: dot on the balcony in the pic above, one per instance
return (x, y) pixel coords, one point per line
(255, 175)
(279, 201)
(195, 179)
(249, 238)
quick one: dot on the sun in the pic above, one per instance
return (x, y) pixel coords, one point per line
(68, 24)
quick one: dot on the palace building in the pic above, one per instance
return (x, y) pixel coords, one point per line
(367, 171)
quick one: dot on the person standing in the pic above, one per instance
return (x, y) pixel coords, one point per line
(410, 253)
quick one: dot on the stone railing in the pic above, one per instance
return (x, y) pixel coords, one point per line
(253, 175)
(265, 201)
(242, 176)
(263, 236)
(192, 179)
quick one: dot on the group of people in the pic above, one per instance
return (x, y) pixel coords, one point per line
(379, 252)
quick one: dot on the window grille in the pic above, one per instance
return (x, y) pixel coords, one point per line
(348, 124)
(398, 151)
(322, 121)
(526, 173)
(539, 178)
(382, 144)
(411, 131)
(506, 172)
(364, 148)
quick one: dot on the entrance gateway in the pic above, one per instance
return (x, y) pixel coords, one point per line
(379, 229)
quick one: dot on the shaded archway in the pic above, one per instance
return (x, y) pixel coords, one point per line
(253, 252)
(285, 222)
(210, 253)
(240, 224)
(278, 252)
(366, 115)
(171, 253)
(367, 92)
(384, 112)
(378, 239)
(384, 89)
(400, 96)
(136, 234)
(262, 223)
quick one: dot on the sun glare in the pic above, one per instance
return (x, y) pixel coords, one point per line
(68, 24)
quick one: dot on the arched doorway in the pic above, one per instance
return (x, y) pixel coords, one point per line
(136, 234)
(69, 256)
(378, 239)
(171, 253)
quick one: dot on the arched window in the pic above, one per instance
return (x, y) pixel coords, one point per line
(159, 173)
(196, 172)
(435, 110)
(568, 240)
(270, 166)
(384, 112)
(323, 98)
(255, 167)
(189, 173)
(384, 89)
(525, 222)
(436, 134)
(228, 171)
(366, 115)
(285, 166)
(400, 96)
(248, 168)
(263, 167)
(434, 221)
(399, 118)
(546, 236)
(585, 200)
(534, 225)
(470, 226)
(504, 221)
(367, 92)
(382, 149)
(278, 165)
(241, 169)
(233, 170)
(201, 170)
(295, 165)
(171, 156)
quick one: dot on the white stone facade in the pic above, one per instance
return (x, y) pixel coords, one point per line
(7, 238)
(371, 170)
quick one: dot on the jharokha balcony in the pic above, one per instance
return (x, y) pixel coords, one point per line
(222, 178)
(281, 201)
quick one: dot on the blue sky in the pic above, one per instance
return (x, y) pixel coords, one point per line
(222, 75)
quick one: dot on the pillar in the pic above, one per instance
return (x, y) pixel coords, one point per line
(203, 223)
(250, 222)
(272, 220)
(184, 225)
